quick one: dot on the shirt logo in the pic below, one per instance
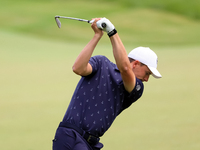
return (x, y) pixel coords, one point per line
(138, 87)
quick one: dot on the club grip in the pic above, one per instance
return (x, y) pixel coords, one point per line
(100, 26)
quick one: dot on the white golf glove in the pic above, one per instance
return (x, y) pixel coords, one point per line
(106, 26)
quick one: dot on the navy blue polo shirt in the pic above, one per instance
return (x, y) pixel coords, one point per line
(100, 97)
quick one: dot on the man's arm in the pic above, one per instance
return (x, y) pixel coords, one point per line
(81, 65)
(123, 62)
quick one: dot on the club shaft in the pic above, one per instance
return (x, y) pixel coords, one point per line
(103, 25)
(73, 18)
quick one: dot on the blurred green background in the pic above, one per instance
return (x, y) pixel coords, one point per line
(37, 82)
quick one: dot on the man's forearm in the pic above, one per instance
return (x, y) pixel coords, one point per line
(81, 64)
(119, 52)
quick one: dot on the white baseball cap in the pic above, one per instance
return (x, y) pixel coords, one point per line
(146, 56)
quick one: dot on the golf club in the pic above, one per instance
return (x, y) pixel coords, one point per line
(78, 19)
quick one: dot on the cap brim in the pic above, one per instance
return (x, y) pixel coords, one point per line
(155, 72)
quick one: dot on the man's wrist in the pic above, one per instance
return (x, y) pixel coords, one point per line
(98, 35)
(113, 32)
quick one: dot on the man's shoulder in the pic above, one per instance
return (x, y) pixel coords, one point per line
(100, 57)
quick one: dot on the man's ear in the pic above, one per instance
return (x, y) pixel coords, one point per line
(134, 63)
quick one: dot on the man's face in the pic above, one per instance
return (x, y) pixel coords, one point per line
(141, 71)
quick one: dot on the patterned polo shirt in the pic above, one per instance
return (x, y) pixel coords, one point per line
(100, 97)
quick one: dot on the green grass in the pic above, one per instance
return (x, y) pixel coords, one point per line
(186, 8)
(37, 82)
(137, 25)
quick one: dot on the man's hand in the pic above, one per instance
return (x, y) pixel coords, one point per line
(109, 27)
(97, 30)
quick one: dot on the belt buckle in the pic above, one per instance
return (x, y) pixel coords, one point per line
(92, 140)
(89, 138)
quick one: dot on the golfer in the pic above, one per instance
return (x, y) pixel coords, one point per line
(104, 90)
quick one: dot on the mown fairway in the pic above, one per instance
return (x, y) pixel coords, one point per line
(36, 80)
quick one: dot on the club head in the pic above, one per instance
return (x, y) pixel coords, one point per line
(58, 21)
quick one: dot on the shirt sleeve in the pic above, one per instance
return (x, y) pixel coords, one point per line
(135, 94)
(96, 62)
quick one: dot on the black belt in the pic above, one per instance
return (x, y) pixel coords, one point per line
(92, 140)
